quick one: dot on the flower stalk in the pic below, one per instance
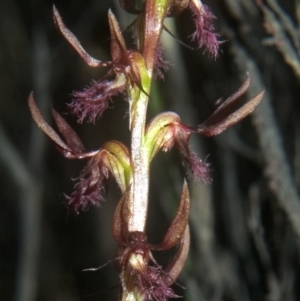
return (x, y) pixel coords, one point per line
(131, 73)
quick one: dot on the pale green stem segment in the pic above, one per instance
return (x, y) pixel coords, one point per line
(138, 195)
(138, 200)
(149, 34)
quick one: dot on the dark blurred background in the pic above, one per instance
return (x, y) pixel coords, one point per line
(245, 226)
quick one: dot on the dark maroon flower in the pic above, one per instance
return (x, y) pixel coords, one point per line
(166, 130)
(94, 99)
(112, 159)
(205, 34)
(141, 276)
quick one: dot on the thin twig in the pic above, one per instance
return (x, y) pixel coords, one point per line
(286, 23)
(282, 35)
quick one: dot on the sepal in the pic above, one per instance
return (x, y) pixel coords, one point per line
(160, 133)
(73, 41)
(226, 115)
(176, 265)
(118, 162)
(72, 147)
(179, 224)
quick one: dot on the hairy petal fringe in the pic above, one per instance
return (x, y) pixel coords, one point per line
(205, 34)
(161, 65)
(94, 99)
(86, 193)
(196, 167)
(88, 190)
(151, 284)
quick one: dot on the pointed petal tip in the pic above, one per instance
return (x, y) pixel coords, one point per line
(30, 98)
(178, 225)
(111, 16)
(260, 95)
(176, 266)
(56, 14)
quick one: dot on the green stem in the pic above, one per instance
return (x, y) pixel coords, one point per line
(138, 200)
(149, 34)
(137, 203)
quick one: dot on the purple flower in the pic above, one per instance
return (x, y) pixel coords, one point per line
(94, 99)
(112, 159)
(166, 130)
(141, 276)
